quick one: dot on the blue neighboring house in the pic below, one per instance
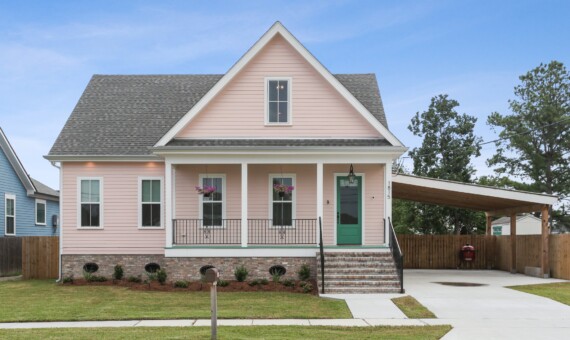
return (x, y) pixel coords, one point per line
(27, 206)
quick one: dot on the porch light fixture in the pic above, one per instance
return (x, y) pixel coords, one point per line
(351, 176)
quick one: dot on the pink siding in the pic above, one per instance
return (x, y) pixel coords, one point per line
(120, 234)
(318, 110)
(373, 199)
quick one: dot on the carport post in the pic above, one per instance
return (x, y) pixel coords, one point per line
(489, 224)
(513, 243)
(545, 261)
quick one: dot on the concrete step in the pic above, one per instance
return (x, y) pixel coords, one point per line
(360, 283)
(377, 277)
(344, 264)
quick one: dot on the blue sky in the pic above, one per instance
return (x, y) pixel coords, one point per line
(472, 50)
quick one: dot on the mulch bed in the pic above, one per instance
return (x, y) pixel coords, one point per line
(197, 286)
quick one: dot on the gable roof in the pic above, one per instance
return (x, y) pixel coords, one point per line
(31, 185)
(278, 29)
(125, 115)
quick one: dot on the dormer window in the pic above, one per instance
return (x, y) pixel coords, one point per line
(278, 94)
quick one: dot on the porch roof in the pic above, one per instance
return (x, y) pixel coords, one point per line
(494, 201)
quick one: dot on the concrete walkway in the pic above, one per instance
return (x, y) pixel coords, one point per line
(491, 311)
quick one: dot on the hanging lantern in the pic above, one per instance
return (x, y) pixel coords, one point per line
(351, 176)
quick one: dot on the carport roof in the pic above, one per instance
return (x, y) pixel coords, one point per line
(491, 200)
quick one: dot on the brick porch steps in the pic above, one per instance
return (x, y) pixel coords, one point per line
(359, 273)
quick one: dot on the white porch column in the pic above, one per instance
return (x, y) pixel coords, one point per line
(168, 202)
(387, 200)
(244, 206)
(319, 196)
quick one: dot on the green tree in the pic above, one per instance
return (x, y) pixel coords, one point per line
(534, 144)
(448, 145)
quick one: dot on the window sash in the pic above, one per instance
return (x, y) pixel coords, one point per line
(90, 203)
(282, 208)
(10, 215)
(213, 205)
(41, 212)
(278, 98)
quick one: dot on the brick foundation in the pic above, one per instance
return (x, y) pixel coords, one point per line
(184, 268)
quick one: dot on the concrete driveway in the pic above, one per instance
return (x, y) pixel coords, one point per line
(490, 311)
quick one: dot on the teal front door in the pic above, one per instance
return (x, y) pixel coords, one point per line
(349, 211)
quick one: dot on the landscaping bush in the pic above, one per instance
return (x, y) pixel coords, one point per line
(241, 273)
(288, 283)
(68, 279)
(264, 281)
(223, 283)
(181, 284)
(135, 279)
(307, 287)
(88, 276)
(304, 272)
(118, 272)
(254, 282)
(276, 277)
(161, 276)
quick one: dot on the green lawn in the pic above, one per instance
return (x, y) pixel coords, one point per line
(249, 332)
(47, 301)
(556, 291)
(412, 308)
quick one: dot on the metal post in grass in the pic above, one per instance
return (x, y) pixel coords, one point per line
(212, 276)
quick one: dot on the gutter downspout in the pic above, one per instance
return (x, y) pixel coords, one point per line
(59, 280)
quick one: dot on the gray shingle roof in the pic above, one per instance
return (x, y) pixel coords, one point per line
(275, 142)
(127, 114)
(44, 189)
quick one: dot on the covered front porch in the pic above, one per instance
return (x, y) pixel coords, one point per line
(327, 202)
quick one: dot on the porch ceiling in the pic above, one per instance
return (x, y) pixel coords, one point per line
(492, 200)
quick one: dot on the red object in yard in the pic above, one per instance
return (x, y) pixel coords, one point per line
(467, 253)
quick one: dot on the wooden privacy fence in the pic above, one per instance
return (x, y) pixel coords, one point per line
(40, 257)
(10, 256)
(492, 252)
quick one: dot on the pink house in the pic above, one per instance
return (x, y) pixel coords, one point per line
(135, 149)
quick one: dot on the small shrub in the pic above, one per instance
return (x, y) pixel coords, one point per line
(255, 282)
(151, 277)
(241, 273)
(161, 276)
(307, 287)
(264, 281)
(223, 283)
(118, 272)
(181, 284)
(304, 272)
(288, 283)
(96, 278)
(276, 277)
(135, 279)
(88, 276)
(68, 279)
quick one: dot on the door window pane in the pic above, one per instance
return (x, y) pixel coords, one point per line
(348, 205)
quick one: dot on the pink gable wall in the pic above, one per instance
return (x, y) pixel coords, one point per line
(318, 110)
(120, 233)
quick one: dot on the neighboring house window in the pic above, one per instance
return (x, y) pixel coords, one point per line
(212, 205)
(40, 212)
(10, 213)
(150, 201)
(278, 101)
(282, 205)
(497, 230)
(90, 202)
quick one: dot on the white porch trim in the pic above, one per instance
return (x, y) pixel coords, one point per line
(244, 205)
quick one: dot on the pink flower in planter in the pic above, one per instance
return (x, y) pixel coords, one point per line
(283, 188)
(205, 190)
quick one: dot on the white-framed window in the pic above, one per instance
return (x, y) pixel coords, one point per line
(90, 198)
(278, 101)
(41, 208)
(9, 214)
(212, 206)
(282, 205)
(150, 202)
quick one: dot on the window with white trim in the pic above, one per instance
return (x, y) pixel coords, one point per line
(90, 202)
(282, 199)
(10, 214)
(40, 212)
(212, 204)
(150, 201)
(278, 93)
